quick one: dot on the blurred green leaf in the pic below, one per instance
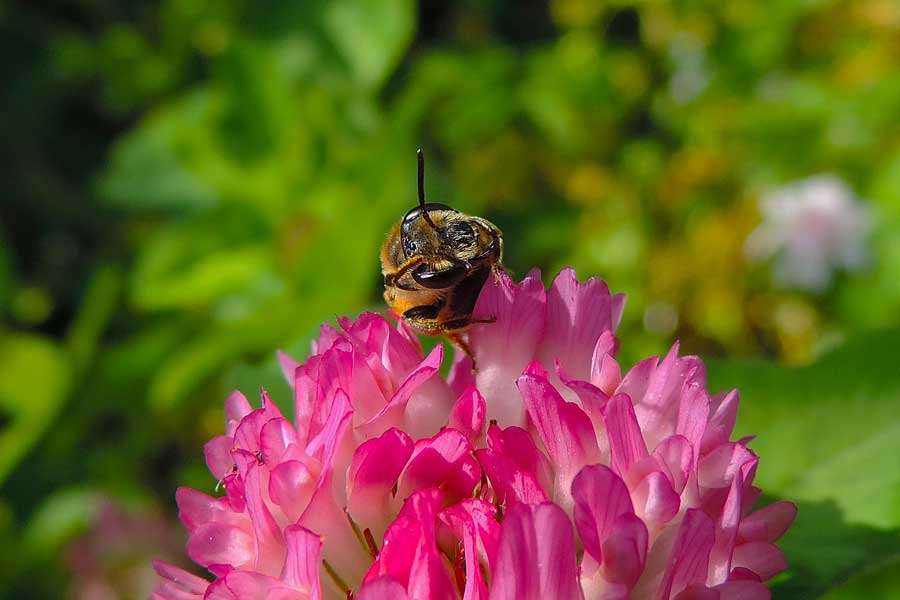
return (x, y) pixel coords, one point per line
(827, 435)
(370, 35)
(6, 277)
(62, 515)
(34, 380)
(174, 274)
(882, 582)
(95, 312)
(145, 173)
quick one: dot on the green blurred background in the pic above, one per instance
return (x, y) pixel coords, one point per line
(191, 184)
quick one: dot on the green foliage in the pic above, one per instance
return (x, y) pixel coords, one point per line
(34, 380)
(193, 184)
(827, 435)
(882, 581)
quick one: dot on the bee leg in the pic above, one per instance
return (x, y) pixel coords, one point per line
(425, 318)
(454, 332)
(484, 320)
(391, 279)
(496, 270)
(458, 339)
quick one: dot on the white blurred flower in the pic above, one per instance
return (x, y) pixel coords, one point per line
(690, 75)
(812, 228)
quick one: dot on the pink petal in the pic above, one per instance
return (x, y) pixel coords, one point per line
(565, 430)
(244, 585)
(536, 557)
(625, 550)
(617, 309)
(413, 347)
(742, 574)
(693, 412)
(444, 461)
(468, 414)
(427, 409)
(323, 516)
(762, 558)
(301, 565)
(324, 445)
(718, 468)
(743, 590)
(675, 454)
(724, 414)
(634, 383)
(410, 554)
(509, 482)
(466, 521)
(537, 369)
(413, 380)
(196, 508)
(577, 315)
(482, 517)
(269, 542)
(398, 346)
(236, 408)
(607, 346)
(655, 501)
(769, 523)
(374, 470)
(288, 366)
(607, 375)
(217, 543)
(169, 591)
(698, 592)
(461, 375)
(328, 335)
(626, 442)
(689, 558)
(234, 491)
(503, 348)
(657, 407)
(291, 485)
(316, 383)
(382, 588)
(219, 591)
(276, 436)
(476, 587)
(593, 399)
(218, 455)
(600, 497)
(177, 583)
(247, 435)
(517, 445)
(726, 532)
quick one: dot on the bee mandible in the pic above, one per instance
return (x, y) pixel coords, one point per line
(435, 262)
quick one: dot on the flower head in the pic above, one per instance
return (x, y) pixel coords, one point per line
(812, 227)
(546, 473)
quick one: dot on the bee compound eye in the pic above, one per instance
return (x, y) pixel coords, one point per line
(410, 247)
(459, 235)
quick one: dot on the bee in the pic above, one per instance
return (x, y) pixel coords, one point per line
(435, 262)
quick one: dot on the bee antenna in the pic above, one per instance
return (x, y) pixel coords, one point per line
(420, 157)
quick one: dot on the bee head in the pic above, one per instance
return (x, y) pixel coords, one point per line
(433, 229)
